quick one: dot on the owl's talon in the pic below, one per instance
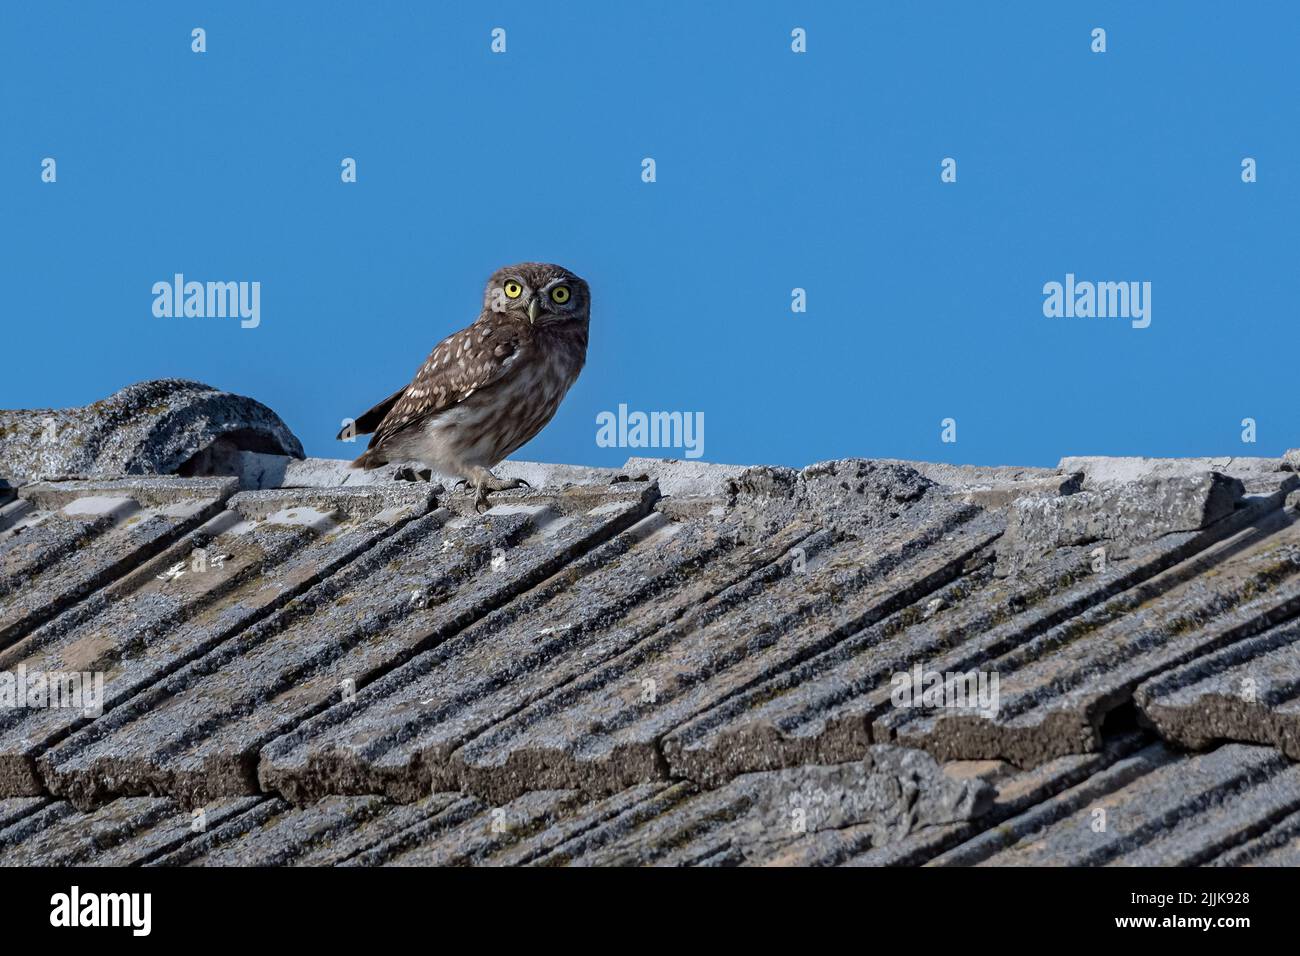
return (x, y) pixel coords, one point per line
(489, 483)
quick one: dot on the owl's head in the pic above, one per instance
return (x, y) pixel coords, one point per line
(545, 294)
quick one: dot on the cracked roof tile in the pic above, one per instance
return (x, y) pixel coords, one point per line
(673, 663)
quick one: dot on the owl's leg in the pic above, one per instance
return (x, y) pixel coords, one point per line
(484, 482)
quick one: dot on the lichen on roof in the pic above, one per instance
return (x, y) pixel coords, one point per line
(665, 663)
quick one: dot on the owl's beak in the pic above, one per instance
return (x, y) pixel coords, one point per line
(534, 309)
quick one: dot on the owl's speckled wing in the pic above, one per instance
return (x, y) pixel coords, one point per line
(459, 365)
(369, 420)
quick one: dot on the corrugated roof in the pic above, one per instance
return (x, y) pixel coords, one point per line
(668, 663)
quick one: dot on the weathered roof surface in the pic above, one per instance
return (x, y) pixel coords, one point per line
(151, 428)
(667, 663)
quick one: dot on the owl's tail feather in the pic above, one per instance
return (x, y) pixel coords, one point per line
(369, 459)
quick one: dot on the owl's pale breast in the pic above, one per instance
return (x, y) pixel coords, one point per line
(495, 421)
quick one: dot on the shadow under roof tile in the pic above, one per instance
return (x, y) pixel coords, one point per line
(1157, 807)
(1056, 689)
(604, 731)
(399, 735)
(254, 556)
(197, 733)
(59, 543)
(1248, 691)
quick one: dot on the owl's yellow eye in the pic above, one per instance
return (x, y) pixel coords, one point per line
(560, 294)
(513, 290)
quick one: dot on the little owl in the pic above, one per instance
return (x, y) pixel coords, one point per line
(486, 390)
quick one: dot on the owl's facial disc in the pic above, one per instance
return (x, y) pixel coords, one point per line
(548, 295)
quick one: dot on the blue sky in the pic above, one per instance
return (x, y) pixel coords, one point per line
(775, 170)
